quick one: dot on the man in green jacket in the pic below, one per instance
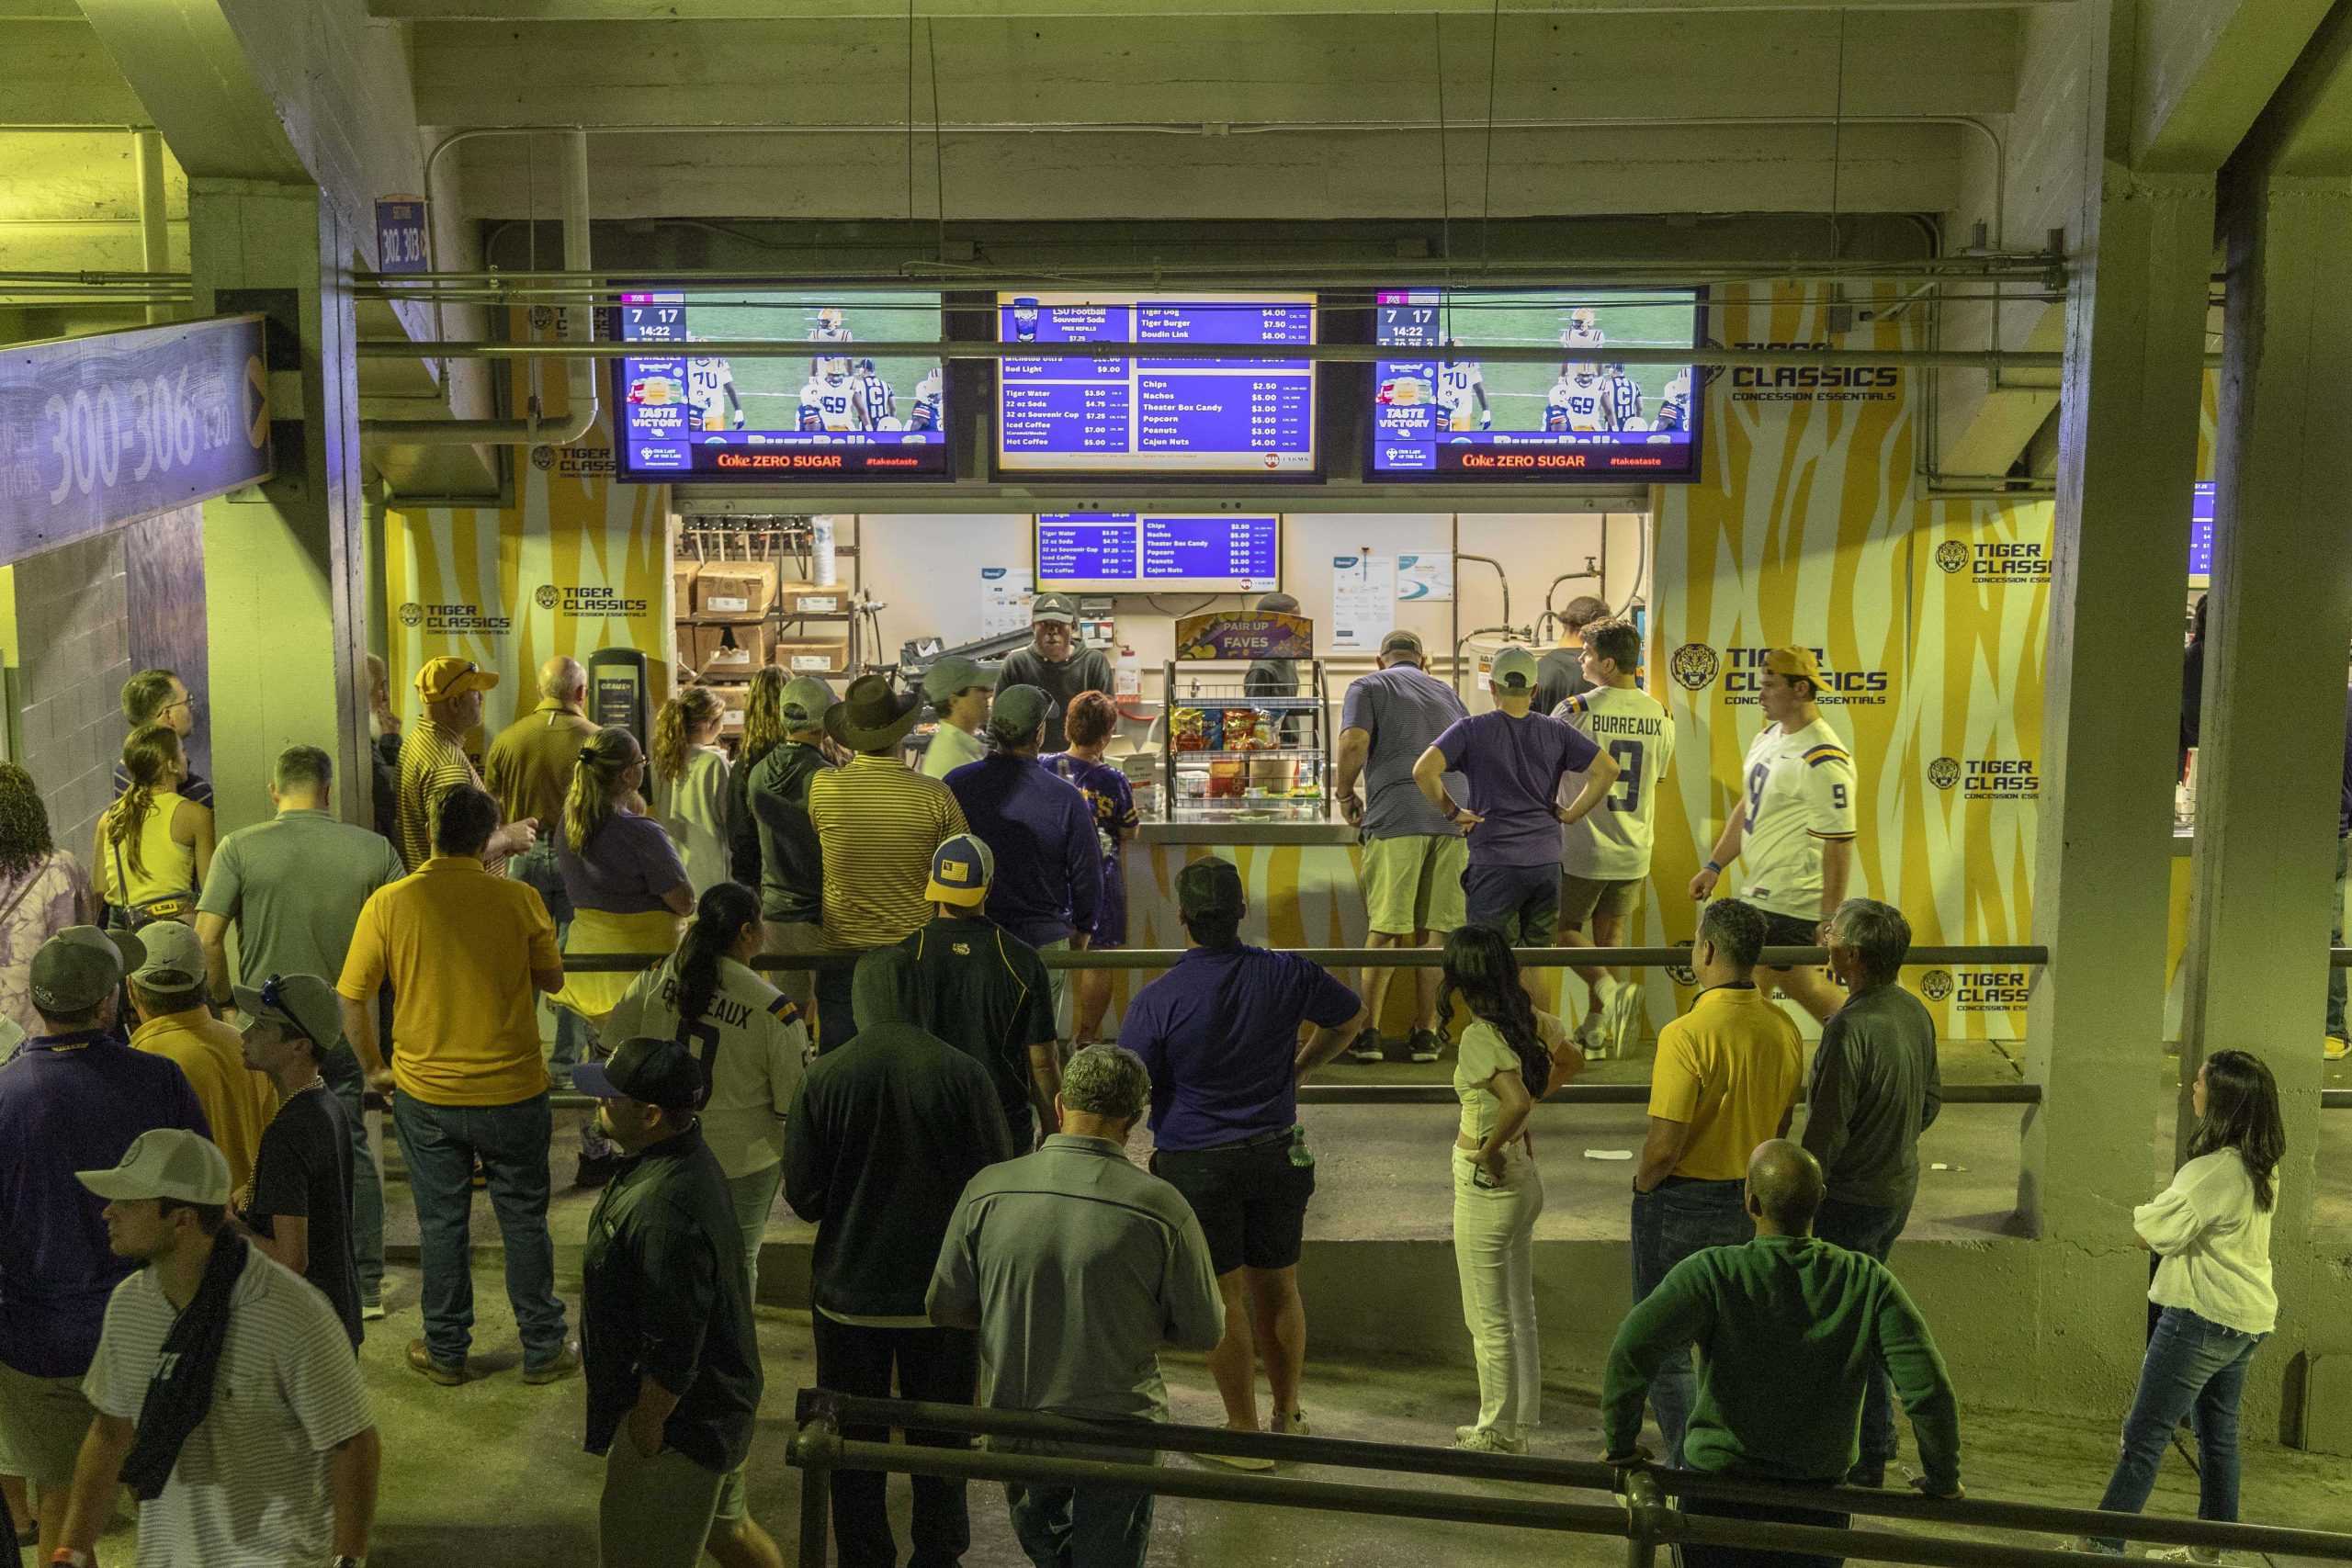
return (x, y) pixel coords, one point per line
(1787, 1328)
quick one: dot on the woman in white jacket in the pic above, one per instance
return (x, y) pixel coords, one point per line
(2210, 1231)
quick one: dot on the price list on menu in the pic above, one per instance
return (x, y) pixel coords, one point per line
(1170, 410)
(1208, 547)
(1087, 546)
(1150, 550)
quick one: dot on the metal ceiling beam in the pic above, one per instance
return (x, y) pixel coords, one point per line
(999, 11)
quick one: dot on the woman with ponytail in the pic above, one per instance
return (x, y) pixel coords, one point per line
(154, 845)
(628, 892)
(2211, 1233)
(763, 731)
(1511, 1055)
(691, 794)
(751, 1042)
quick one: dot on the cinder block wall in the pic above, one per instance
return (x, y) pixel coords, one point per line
(73, 631)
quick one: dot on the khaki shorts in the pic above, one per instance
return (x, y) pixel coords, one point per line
(659, 1512)
(1581, 897)
(42, 1423)
(792, 937)
(1413, 883)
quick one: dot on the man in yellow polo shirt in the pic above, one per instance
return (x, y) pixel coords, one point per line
(1726, 1080)
(464, 950)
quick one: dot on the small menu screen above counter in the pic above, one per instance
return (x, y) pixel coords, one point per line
(1115, 413)
(1112, 552)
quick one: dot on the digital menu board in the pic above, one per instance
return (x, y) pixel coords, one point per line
(1579, 416)
(830, 414)
(2200, 531)
(1111, 552)
(1118, 413)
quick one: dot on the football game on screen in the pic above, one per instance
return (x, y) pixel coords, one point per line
(833, 411)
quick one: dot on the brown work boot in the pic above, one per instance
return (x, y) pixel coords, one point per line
(556, 1368)
(421, 1357)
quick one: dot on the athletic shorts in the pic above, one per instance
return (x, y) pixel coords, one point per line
(1413, 882)
(1110, 917)
(42, 1423)
(1252, 1202)
(1520, 901)
(1788, 931)
(1581, 897)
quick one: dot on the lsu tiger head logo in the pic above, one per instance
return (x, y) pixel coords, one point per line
(1694, 666)
(543, 458)
(1682, 973)
(547, 595)
(1952, 556)
(1944, 771)
(411, 615)
(1936, 984)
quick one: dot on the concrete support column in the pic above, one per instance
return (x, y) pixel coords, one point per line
(285, 570)
(2143, 248)
(2269, 769)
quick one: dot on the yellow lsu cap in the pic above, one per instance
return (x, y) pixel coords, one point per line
(1796, 664)
(442, 679)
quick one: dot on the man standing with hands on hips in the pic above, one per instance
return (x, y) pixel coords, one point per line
(1794, 827)
(1514, 759)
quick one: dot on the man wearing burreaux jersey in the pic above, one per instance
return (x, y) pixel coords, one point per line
(1792, 831)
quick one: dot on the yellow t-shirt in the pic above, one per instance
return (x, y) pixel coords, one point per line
(238, 1101)
(458, 946)
(1729, 1067)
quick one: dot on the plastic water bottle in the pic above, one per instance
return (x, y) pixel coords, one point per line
(820, 550)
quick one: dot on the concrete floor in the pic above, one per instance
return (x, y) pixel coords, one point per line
(492, 1472)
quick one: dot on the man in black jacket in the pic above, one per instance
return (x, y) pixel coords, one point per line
(666, 1334)
(792, 867)
(885, 1133)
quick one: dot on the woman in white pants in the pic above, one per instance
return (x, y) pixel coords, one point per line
(1506, 1063)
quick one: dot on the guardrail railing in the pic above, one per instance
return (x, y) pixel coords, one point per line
(1634, 1510)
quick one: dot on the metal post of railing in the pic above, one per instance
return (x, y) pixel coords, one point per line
(1645, 1506)
(815, 1449)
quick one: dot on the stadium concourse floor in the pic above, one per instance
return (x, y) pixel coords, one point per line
(1382, 1172)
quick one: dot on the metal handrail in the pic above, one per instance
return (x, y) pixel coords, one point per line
(1360, 958)
(817, 1448)
(1566, 1094)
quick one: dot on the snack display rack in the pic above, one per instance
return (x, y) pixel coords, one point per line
(1229, 755)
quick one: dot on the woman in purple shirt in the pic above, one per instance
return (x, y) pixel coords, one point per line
(628, 891)
(1112, 801)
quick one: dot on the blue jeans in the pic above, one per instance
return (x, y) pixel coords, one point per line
(1870, 1230)
(538, 867)
(2335, 938)
(1081, 1526)
(440, 1143)
(1679, 1218)
(345, 1079)
(2192, 1364)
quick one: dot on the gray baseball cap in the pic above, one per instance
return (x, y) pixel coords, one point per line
(174, 959)
(804, 702)
(952, 673)
(1054, 607)
(304, 1001)
(1018, 711)
(80, 966)
(163, 1162)
(1513, 669)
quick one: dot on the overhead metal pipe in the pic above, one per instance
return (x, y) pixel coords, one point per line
(155, 224)
(534, 429)
(1321, 353)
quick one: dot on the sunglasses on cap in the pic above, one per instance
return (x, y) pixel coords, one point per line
(273, 997)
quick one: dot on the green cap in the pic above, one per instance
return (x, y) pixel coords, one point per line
(1018, 711)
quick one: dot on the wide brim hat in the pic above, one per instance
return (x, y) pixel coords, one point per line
(871, 716)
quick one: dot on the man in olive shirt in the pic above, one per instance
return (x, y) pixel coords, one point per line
(1875, 1089)
(673, 1360)
(1787, 1324)
(529, 771)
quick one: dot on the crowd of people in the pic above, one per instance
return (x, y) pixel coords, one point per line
(189, 1201)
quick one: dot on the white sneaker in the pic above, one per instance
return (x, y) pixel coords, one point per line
(1591, 1035)
(2185, 1554)
(1623, 1019)
(1291, 1426)
(1487, 1440)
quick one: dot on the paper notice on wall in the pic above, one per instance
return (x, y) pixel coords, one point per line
(1363, 601)
(1005, 592)
(1425, 579)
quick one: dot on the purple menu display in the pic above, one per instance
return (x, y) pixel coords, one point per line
(2200, 530)
(1109, 551)
(1176, 412)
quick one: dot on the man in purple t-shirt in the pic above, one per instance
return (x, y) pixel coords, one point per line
(1514, 759)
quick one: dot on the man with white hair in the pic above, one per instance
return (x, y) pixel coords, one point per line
(1075, 1267)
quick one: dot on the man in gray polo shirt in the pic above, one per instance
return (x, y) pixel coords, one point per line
(293, 886)
(1413, 857)
(1078, 1214)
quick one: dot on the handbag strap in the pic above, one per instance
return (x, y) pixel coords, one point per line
(24, 886)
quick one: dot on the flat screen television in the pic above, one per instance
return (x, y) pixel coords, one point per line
(1129, 552)
(1577, 413)
(829, 415)
(1161, 414)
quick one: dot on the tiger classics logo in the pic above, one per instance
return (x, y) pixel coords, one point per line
(1936, 984)
(1694, 666)
(1952, 556)
(1944, 771)
(1682, 973)
(411, 615)
(460, 617)
(547, 595)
